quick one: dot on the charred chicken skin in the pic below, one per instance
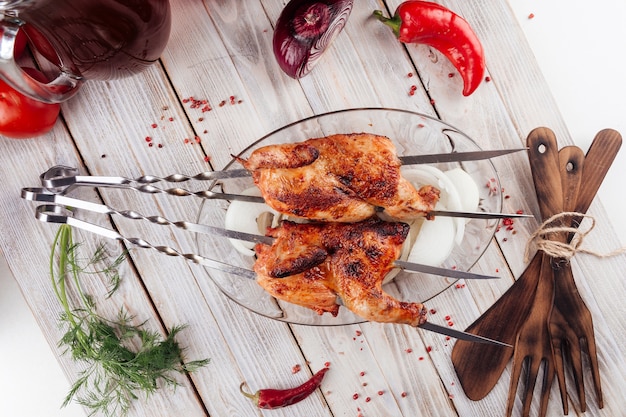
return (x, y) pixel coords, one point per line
(312, 264)
(338, 178)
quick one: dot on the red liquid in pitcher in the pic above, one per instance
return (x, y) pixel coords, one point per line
(99, 39)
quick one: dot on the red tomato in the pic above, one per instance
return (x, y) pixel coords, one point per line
(21, 116)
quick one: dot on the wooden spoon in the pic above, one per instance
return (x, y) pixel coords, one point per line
(479, 366)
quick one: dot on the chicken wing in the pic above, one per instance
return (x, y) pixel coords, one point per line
(338, 178)
(312, 264)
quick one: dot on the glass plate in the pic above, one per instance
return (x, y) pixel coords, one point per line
(413, 134)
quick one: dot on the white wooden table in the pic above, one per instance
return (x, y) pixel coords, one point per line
(221, 50)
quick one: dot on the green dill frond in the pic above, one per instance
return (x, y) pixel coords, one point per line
(101, 263)
(114, 371)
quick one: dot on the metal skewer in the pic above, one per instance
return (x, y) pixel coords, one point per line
(52, 213)
(64, 177)
(44, 196)
(61, 179)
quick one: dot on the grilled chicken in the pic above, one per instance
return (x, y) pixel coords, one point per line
(311, 264)
(339, 178)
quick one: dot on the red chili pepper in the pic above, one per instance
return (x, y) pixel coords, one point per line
(434, 25)
(276, 398)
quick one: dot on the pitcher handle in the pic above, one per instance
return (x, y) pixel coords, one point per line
(64, 86)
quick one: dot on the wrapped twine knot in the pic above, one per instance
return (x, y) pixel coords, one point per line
(542, 238)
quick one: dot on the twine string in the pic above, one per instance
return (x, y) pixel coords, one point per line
(543, 238)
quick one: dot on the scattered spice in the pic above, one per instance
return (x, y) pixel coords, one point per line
(295, 369)
(492, 186)
(509, 225)
(190, 102)
(531, 16)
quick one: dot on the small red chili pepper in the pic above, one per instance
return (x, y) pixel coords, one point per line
(434, 25)
(276, 398)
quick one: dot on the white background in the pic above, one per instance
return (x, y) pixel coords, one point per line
(581, 49)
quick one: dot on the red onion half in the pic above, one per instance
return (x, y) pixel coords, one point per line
(305, 28)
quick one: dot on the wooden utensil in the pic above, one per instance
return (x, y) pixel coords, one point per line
(479, 366)
(533, 346)
(571, 321)
(557, 324)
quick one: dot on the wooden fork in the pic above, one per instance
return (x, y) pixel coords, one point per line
(533, 345)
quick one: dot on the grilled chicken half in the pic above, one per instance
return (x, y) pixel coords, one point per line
(338, 178)
(311, 264)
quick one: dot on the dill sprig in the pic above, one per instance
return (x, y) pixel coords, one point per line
(115, 373)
